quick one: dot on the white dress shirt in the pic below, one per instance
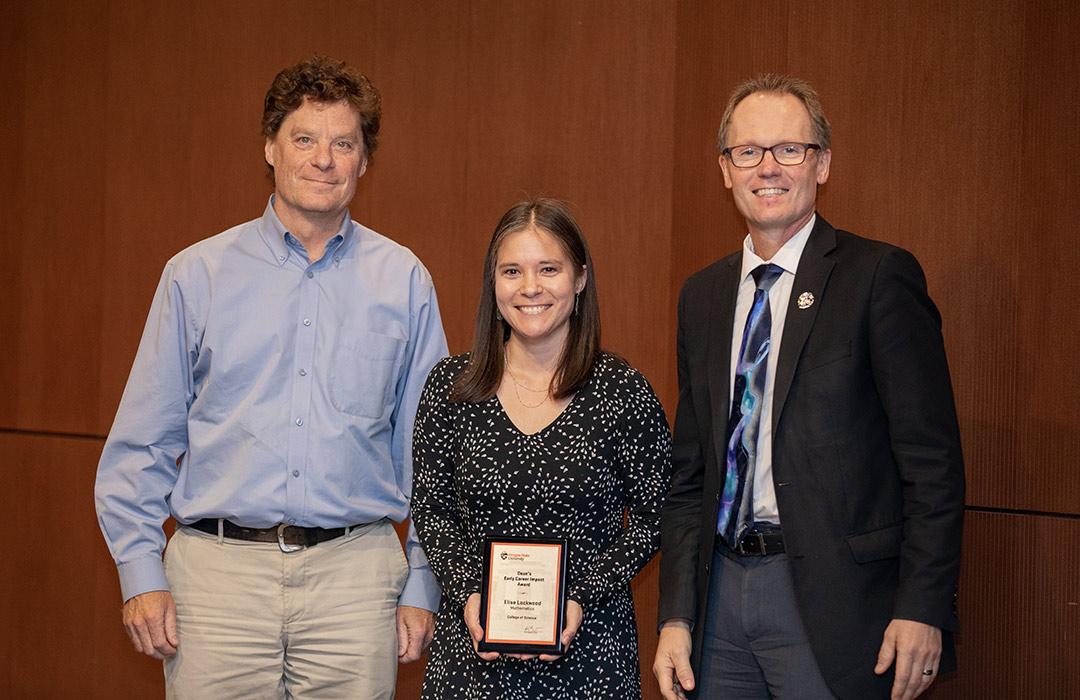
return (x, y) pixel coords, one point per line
(787, 257)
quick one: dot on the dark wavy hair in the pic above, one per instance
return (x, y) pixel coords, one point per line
(323, 80)
(481, 377)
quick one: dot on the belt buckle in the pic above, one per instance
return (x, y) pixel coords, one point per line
(751, 544)
(287, 548)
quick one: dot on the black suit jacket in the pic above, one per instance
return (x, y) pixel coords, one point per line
(866, 452)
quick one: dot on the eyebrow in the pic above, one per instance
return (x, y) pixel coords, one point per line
(350, 136)
(508, 263)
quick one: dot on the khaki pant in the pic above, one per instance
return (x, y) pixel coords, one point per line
(255, 622)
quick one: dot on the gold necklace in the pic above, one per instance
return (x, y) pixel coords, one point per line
(517, 384)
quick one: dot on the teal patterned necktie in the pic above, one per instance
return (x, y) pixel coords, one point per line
(742, 429)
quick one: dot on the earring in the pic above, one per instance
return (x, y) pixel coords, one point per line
(576, 295)
(498, 316)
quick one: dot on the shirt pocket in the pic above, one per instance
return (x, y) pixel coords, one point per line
(364, 373)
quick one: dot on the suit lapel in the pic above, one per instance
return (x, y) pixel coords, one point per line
(813, 274)
(721, 320)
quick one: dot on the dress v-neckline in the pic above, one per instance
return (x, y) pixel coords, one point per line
(556, 419)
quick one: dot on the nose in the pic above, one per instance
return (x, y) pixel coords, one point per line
(768, 166)
(323, 157)
(530, 284)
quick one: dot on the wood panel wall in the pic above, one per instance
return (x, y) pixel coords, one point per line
(131, 130)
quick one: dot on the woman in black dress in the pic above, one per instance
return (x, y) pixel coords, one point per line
(539, 433)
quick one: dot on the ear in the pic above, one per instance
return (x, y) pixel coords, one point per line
(824, 160)
(268, 151)
(724, 165)
(363, 168)
(579, 284)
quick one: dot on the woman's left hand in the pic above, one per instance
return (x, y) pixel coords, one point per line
(574, 615)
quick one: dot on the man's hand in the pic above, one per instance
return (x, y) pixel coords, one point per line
(150, 623)
(672, 664)
(915, 647)
(415, 627)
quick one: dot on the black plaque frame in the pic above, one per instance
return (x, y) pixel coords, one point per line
(504, 647)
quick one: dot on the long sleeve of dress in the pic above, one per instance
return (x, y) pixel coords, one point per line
(437, 510)
(644, 463)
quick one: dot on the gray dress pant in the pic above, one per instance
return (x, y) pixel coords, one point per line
(754, 643)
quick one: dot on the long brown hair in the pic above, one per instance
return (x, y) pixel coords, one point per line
(480, 379)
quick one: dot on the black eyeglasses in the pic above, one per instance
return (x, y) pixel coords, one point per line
(748, 156)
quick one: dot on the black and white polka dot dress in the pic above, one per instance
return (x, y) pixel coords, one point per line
(476, 474)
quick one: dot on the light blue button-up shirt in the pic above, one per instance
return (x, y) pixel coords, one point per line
(285, 388)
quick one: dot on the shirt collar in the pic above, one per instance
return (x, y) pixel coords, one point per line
(787, 257)
(273, 234)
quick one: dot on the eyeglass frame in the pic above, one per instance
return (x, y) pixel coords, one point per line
(807, 146)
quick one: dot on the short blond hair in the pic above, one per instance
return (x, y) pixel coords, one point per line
(784, 85)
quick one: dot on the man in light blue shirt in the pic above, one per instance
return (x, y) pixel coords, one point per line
(269, 411)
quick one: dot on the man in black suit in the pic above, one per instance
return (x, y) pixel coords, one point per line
(811, 538)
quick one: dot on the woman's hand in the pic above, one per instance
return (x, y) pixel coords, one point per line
(574, 615)
(472, 621)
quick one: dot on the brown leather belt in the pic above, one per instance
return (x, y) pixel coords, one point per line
(290, 538)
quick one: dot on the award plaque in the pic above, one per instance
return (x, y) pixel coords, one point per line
(523, 601)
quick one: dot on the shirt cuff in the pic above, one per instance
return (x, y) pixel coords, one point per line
(421, 589)
(142, 576)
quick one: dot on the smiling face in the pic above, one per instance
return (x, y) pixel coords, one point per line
(776, 200)
(535, 284)
(317, 156)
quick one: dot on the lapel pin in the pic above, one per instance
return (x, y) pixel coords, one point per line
(805, 301)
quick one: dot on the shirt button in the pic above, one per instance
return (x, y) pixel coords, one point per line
(303, 373)
(296, 473)
(299, 421)
(307, 321)
(310, 274)
(337, 258)
(292, 521)
(281, 258)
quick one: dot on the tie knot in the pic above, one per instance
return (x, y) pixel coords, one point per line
(765, 275)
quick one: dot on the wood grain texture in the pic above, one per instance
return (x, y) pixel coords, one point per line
(1043, 475)
(59, 595)
(60, 192)
(1019, 609)
(12, 54)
